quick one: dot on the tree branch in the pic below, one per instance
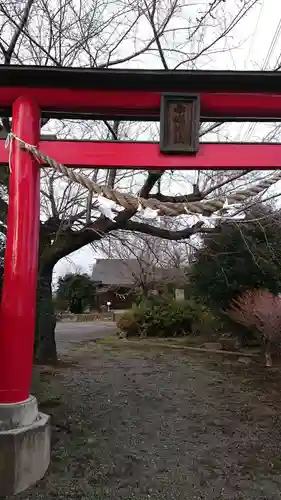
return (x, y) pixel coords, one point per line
(149, 183)
(197, 195)
(168, 234)
(150, 16)
(4, 11)
(18, 31)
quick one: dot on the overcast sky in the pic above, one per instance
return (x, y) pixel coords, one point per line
(256, 45)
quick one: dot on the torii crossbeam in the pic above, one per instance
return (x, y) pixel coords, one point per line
(145, 155)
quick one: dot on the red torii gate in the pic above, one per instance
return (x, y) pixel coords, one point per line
(29, 92)
(26, 94)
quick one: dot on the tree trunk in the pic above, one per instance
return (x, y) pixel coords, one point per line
(45, 344)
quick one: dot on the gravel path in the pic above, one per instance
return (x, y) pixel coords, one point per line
(136, 425)
(72, 332)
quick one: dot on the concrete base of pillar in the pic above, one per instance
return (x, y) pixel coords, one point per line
(25, 443)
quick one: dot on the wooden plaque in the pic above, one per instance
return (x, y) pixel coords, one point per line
(179, 123)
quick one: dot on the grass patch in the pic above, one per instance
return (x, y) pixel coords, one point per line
(167, 344)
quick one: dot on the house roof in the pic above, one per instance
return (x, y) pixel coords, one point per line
(129, 272)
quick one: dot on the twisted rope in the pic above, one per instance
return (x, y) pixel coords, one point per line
(131, 202)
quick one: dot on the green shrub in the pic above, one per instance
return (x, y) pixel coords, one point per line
(238, 258)
(162, 317)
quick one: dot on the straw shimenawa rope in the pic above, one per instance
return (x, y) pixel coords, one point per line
(131, 202)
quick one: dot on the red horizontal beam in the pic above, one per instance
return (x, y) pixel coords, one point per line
(143, 104)
(145, 155)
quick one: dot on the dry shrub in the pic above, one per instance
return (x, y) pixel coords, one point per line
(260, 311)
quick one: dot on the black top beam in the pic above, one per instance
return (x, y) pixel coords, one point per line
(120, 79)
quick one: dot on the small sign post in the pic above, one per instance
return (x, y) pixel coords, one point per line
(179, 294)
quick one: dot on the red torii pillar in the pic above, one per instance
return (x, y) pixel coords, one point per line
(24, 432)
(18, 307)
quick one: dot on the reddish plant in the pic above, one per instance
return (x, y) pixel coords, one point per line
(260, 311)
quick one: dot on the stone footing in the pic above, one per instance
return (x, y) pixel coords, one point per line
(25, 439)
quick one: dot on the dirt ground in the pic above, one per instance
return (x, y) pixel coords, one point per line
(141, 423)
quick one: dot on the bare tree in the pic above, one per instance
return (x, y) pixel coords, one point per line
(167, 34)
